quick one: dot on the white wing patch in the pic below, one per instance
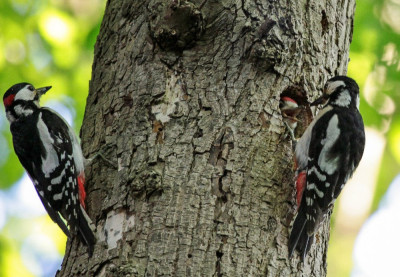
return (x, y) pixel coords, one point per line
(50, 161)
(76, 148)
(326, 162)
(344, 99)
(304, 142)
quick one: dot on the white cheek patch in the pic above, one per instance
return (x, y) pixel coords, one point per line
(333, 86)
(344, 99)
(25, 94)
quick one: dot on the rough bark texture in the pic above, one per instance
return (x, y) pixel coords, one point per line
(184, 98)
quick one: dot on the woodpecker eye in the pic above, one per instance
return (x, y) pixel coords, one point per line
(31, 88)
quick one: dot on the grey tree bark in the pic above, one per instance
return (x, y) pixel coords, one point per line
(184, 98)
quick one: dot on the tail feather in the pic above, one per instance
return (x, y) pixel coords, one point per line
(299, 238)
(55, 216)
(86, 232)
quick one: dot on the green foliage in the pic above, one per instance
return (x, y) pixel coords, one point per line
(47, 42)
(375, 64)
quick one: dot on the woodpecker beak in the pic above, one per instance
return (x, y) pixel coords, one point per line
(43, 90)
(320, 100)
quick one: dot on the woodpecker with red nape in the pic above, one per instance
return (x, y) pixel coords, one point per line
(326, 156)
(290, 109)
(49, 150)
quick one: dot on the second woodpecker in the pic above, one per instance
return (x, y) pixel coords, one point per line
(326, 156)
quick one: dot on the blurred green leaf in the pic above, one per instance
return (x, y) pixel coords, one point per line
(45, 43)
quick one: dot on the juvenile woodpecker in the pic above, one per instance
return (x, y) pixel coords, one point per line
(290, 109)
(49, 150)
(326, 156)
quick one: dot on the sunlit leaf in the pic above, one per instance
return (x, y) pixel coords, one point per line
(57, 27)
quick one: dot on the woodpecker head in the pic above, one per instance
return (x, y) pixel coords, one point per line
(21, 100)
(340, 91)
(289, 109)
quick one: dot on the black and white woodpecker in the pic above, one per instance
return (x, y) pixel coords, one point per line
(49, 150)
(326, 156)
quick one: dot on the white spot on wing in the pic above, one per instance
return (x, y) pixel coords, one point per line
(57, 196)
(327, 185)
(58, 179)
(73, 198)
(317, 191)
(319, 175)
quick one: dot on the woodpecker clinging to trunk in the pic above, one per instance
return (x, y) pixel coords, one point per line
(326, 156)
(50, 152)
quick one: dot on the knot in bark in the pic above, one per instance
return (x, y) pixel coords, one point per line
(176, 26)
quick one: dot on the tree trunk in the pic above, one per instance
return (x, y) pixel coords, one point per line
(184, 98)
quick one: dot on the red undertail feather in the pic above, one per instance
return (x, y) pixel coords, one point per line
(82, 193)
(300, 186)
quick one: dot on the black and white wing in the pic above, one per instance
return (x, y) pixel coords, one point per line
(335, 149)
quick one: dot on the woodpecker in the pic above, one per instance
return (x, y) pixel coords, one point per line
(290, 109)
(326, 156)
(49, 150)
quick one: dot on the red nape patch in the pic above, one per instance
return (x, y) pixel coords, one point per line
(300, 186)
(81, 187)
(8, 100)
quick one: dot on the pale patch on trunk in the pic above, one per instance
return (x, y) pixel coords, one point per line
(116, 224)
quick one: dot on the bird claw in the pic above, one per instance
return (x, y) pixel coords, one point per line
(291, 133)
